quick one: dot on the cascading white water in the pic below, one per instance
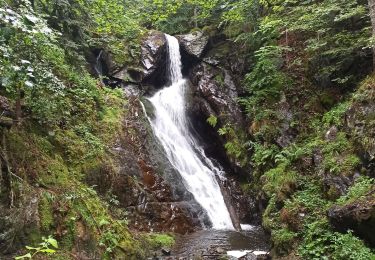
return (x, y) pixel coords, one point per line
(171, 128)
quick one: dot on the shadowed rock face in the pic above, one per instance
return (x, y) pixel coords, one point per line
(215, 70)
(16, 223)
(358, 216)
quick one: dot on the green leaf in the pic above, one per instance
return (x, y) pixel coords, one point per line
(48, 250)
(33, 248)
(103, 222)
(28, 255)
(52, 242)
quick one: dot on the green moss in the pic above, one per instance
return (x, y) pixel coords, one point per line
(157, 241)
(327, 99)
(46, 213)
(360, 189)
(283, 240)
(219, 78)
(270, 215)
(280, 181)
(54, 172)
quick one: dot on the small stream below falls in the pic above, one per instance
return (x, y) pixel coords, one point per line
(199, 174)
(214, 244)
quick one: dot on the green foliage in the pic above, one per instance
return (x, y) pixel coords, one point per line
(319, 242)
(46, 212)
(160, 240)
(212, 120)
(180, 16)
(291, 154)
(310, 198)
(265, 82)
(335, 116)
(280, 181)
(362, 187)
(48, 246)
(316, 240)
(336, 161)
(283, 240)
(236, 146)
(264, 155)
(347, 246)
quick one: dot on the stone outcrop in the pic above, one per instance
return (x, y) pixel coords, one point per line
(194, 43)
(358, 216)
(216, 91)
(215, 73)
(150, 69)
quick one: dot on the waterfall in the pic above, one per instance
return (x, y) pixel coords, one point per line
(171, 128)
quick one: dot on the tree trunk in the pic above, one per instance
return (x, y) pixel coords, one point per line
(371, 4)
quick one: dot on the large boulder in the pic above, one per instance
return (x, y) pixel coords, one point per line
(194, 43)
(151, 66)
(152, 61)
(358, 216)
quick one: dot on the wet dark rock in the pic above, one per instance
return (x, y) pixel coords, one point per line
(220, 250)
(151, 69)
(331, 133)
(317, 157)
(266, 256)
(18, 222)
(194, 43)
(255, 255)
(214, 92)
(287, 134)
(358, 216)
(245, 206)
(166, 251)
(153, 58)
(336, 185)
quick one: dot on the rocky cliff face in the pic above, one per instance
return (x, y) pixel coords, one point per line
(147, 185)
(215, 69)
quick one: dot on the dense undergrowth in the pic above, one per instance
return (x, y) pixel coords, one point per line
(59, 125)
